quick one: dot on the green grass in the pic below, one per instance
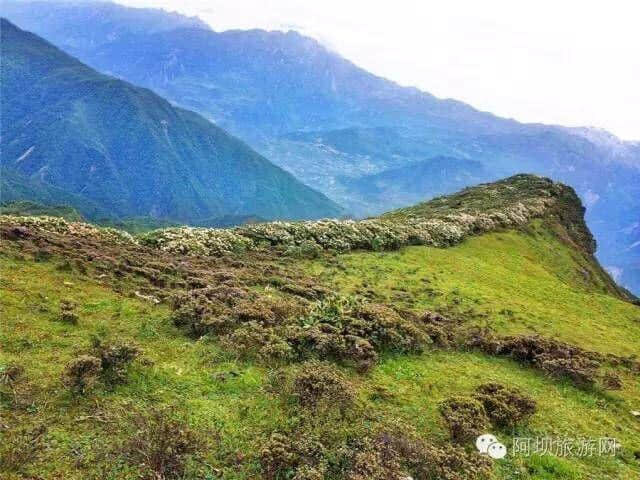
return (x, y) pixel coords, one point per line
(517, 282)
(182, 372)
(420, 383)
(514, 281)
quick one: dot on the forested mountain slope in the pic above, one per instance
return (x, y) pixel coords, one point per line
(72, 135)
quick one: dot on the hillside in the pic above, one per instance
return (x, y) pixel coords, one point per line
(334, 125)
(109, 148)
(32, 209)
(335, 350)
(395, 186)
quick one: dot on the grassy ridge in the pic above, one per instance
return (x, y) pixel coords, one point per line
(222, 394)
(238, 413)
(512, 280)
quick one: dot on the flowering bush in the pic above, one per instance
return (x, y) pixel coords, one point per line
(441, 222)
(60, 225)
(341, 235)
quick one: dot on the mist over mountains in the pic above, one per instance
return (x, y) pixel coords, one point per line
(367, 143)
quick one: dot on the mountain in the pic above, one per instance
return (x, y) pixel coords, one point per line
(335, 126)
(88, 22)
(374, 350)
(395, 186)
(98, 141)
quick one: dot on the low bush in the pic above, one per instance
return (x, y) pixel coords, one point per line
(162, 444)
(555, 358)
(108, 362)
(351, 330)
(67, 312)
(506, 407)
(441, 222)
(82, 373)
(284, 456)
(10, 374)
(115, 359)
(254, 340)
(318, 385)
(398, 454)
(465, 418)
(20, 447)
(343, 328)
(442, 330)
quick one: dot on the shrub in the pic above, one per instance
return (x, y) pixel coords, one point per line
(442, 331)
(115, 360)
(292, 457)
(386, 330)
(351, 330)
(465, 418)
(67, 312)
(398, 454)
(611, 381)
(505, 407)
(20, 447)
(199, 312)
(162, 444)
(326, 341)
(441, 222)
(10, 373)
(306, 472)
(321, 385)
(427, 461)
(254, 340)
(81, 373)
(259, 311)
(373, 457)
(558, 359)
(306, 249)
(342, 328)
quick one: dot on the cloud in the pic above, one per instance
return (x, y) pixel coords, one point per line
(615, 272)
(570, 63)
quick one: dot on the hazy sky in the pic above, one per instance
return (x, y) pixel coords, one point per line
(562, 61)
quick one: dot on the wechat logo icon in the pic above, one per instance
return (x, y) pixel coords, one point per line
(488, 444)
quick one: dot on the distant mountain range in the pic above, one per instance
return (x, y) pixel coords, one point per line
(72, 135)
(339, 128)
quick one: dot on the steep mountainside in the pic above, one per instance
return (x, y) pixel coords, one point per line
(328, 350)
(334, 125)
(96, 140)
(393, 187)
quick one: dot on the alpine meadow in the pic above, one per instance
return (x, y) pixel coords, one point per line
(237, 255)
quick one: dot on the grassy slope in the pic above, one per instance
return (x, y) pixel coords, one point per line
(516, 282)
(513, 279)
(534, 286)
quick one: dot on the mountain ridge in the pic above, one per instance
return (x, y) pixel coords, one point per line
(65, 125)
(264, 87)
(285, 361)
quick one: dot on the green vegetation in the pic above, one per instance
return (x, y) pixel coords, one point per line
(515, 282)
(26, 208)
(71, 135)
(356, 365)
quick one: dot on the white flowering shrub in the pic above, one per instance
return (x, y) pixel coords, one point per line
(441, 222)
(341, 235)
(60, 225)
